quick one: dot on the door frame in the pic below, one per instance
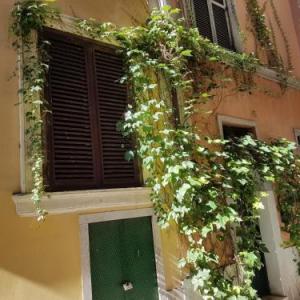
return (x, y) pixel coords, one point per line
(268, 221)
(84, 222)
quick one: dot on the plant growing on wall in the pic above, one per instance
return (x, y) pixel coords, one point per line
(266, 39)
(210, 188)
(29, 17)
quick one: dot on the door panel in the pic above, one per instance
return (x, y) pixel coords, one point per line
(138, 262)
(122, 251)
(105, 261)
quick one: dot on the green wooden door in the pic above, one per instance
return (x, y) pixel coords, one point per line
(122, 251)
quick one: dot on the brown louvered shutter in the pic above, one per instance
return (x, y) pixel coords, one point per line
(202, 18)
(84, 148)
(70, 141)
(212, 21)
(222, 24)
(111, 103)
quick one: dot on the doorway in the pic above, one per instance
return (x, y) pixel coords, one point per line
(260, 281)
(122, 260)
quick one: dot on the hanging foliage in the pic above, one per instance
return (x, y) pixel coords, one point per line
(29, 17)
(265, 37)
(210, 188)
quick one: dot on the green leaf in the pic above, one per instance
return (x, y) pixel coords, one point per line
(182, 191)
(166, 8)
(206, 230)
(187, 53)
(212, 205)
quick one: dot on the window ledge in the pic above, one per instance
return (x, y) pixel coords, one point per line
(83, 201)
(275, 298)
(270, 74)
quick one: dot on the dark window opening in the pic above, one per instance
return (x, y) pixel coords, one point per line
(84, 149)
(237, 132)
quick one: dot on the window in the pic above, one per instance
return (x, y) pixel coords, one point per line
(230, 132)
(211, 17)
(297, 137)
(83, 147)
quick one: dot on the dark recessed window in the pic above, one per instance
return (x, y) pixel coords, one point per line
(230, 132)
(297, 136)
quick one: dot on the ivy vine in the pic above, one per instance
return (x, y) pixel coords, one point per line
(29, 17)
(266, 39)
(210, 188)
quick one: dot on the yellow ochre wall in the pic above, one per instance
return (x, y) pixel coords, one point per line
(42, 261)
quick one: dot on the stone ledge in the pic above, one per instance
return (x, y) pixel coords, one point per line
(83, 201)
(275, 298)
(270, 74)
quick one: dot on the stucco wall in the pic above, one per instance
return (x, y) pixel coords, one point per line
(42, 261)
(275, 115)
(38, 261)
(284, 11)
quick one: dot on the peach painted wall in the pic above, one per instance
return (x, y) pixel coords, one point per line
(275, 115)
(295, 7)
(284, 11)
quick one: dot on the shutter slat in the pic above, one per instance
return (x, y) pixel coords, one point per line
(86, 99)
(205, 10)
(71, 150)
(222, 28)
(203, 18)
(112, 102)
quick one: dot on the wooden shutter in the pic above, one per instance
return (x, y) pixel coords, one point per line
(84, 148)
(70, 139)
(212, 21)
(202, 18)
(222, 25)
(111, 104)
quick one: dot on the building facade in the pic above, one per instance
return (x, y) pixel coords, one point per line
(92, 212)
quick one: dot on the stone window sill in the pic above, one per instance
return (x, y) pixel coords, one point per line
(275, 298)
(270, 74)
(84, 201)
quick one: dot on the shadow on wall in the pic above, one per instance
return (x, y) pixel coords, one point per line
(42, 255)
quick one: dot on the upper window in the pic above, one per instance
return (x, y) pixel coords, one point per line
(297, 137)
(212, 20)
(83, 147)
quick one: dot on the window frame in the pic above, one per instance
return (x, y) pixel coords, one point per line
(96, 135)
(297, 137)
(231, 17)
(268, 222)
(210, 4)
(224, 120)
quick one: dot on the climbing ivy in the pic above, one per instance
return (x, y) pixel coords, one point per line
(29, 17)
(266, 39)
(210, 188)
